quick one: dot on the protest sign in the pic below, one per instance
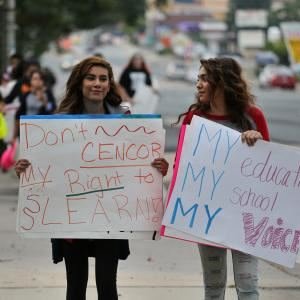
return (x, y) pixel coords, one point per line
(245, 198)
(170, 232)
(90, 174)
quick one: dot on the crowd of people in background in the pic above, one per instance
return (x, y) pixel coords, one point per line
(26, 88)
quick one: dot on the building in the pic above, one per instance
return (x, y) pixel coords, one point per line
(216, 9)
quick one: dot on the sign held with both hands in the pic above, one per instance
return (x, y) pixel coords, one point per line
(90, 175)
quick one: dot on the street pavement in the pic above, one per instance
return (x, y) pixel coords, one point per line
(166, 269)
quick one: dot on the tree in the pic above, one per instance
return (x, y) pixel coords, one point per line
(290, 11)
(161, 3)
(244, 4)
(133, 10)
(39, 22)
(252, 4)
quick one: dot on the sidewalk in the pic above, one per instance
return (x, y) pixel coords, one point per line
(167, 269)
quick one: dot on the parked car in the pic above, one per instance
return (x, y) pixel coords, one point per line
(176, 70)
(68, 61)
(192, 72)
(296, 70)
(277, 76)
(264, 58)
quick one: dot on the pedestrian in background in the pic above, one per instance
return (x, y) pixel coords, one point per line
(39, 100)
(138, 86)
(223, 97)
(14, 60)
(91, 89)
(17, 78)
(135, 75)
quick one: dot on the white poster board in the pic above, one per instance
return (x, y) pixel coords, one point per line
(245, 198)
(89, 175)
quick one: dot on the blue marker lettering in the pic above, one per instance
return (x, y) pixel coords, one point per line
(202, 172)
(179, 204)
(215, 182)
(218, 135)
(229, 147)
(210, 218)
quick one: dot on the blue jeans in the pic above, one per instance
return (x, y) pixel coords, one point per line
(214, 263)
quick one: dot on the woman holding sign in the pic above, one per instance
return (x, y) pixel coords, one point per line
(91, 89)
(223, 97)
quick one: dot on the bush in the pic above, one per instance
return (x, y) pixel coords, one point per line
(280, 49)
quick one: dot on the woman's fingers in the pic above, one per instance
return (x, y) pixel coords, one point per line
(161, 165)
(250, 137)
(21, 165)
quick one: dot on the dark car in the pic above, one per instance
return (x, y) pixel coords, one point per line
(264, 58)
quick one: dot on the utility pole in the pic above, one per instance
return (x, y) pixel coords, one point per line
(2, 34)
(8, 31)
(11, 27)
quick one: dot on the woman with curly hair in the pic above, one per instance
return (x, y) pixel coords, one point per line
(223, 97)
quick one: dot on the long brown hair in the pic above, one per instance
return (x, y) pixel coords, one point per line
(73, 99)
(226, 73)
(144, 66)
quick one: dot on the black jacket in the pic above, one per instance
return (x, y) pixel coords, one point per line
(126, 82)
(123, 245)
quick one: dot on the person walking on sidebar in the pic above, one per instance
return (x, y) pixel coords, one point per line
(91, 89)
(135, 75)
(223, 97)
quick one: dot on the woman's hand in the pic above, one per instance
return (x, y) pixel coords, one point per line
(161, 165)
(251, 136)
(21, 165)
(41, 96)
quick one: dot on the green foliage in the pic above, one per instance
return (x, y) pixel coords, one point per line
(230, 21)
(161, 3)
(253, 4)
(290, 11)
(279, 48)
(42, 21)
(132, 10)
(39, 22)
(244, 4)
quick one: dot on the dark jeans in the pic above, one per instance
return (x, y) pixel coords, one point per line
(76, 255)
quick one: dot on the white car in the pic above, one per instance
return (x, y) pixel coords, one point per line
(68, 61)
(192, 73)
(266, 75)
(176, 70)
